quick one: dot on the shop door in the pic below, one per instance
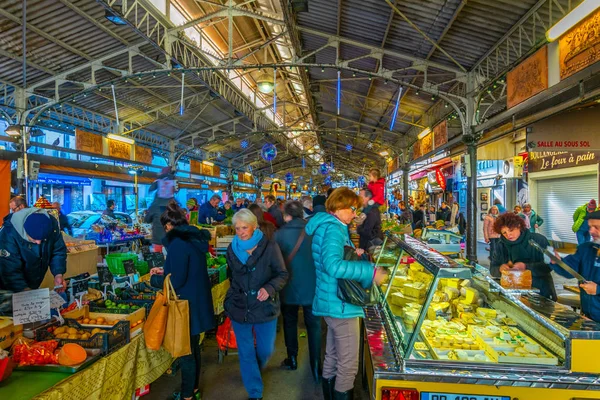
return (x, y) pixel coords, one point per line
(557, 201)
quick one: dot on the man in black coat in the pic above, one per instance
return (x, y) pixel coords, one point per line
(30, 243)
(273, 209)
(296, 249)
(443, 213)
(370, 229)
(62, 219)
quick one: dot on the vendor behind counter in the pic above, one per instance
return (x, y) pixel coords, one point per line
(586, 261)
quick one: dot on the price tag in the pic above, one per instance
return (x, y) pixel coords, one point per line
(56, 300)
(80, 287)
(129, 267)
(31, 306)
(104, 275)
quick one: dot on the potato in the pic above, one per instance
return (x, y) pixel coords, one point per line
(73, 336)
(72, 331)
(60, 329)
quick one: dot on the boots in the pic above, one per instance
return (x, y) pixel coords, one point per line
(349, 395)
(328, 388)
(315, 370)
(291, 363)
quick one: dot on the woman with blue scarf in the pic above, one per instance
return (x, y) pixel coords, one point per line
(257, 273)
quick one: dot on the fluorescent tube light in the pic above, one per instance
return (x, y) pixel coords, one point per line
(424, 133)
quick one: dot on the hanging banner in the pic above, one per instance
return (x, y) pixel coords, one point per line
(143, 154)
(207, 169)
(580, 47)
(528, 78)
(195, 167)
(427, 144)
(440, 178)
(216, 171)
(119, 149)
(440, 134)
(88, 142)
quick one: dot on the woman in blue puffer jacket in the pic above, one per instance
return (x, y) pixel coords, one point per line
(330, 235)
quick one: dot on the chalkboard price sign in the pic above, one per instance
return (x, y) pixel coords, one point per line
(129, 267)
(104, 275)
(155, 260)
(80, 287)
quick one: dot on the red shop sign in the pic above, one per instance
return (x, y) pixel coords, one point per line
(440, 178)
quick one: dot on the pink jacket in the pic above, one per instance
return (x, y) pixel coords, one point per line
(488, 229)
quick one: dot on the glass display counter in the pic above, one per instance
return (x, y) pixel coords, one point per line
(440, 318)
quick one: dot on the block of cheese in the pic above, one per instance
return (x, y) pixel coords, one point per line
(486, 312)
(414, 289)
(471, 295)
(416, 267)
(453, 283)
(398, 299)
(451, 292)
(400, 280)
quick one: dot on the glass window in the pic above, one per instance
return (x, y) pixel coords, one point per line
(161, 5)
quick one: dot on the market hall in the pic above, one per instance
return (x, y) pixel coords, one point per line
(299, 199)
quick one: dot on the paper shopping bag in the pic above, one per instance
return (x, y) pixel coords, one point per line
(156, 323)
(177, 334)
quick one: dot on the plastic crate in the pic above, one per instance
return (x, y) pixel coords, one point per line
(115, 262)
(222, 272)
(96, 307)
(142, 267)
(114, 337)
(213, 276)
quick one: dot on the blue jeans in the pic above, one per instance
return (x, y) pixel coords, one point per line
(582, 236)
(253, 359)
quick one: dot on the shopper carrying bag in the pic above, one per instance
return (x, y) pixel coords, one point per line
(177, 334)
(156, 323)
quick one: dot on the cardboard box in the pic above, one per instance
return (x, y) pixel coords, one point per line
(8, 332)
(77, 263)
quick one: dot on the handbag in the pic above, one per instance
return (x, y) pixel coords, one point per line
(177, 332)
(351, 291)
(156, 323)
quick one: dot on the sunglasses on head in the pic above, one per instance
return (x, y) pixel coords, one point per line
(353, 208)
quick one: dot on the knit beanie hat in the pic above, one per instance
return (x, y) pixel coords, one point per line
(591, 205)
(191, 203)
(38, 226)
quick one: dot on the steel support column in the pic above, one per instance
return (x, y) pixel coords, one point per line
(405, 194)
(470, 140)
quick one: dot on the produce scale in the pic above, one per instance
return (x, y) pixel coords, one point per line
(447, 331)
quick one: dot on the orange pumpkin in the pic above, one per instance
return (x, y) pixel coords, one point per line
(71, 354)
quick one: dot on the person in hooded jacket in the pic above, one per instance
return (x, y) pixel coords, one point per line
(30, 243)
(514, 252)
(330, 238)
(257, 273)
(580, 223)
(186, 262)
(155, 212)
(295, 247)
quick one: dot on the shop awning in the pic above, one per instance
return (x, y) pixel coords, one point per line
(497, 150)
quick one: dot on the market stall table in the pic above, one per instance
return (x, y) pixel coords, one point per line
(118, 243)
(115, 376)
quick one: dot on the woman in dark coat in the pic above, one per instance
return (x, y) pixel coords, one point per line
(257, 273)
(513, 252)
(186, 262)
(300, 290)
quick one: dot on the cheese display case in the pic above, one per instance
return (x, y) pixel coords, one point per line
(447, 331)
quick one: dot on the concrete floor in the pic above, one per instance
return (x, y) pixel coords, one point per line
(224, 382)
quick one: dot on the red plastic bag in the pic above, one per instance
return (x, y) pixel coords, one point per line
(226, 336)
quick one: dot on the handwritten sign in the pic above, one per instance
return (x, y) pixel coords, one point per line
(56, 301)
(31, 306)
(129, 267)
(104, 275)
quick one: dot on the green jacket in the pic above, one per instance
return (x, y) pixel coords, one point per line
(534, 219)
(579, 216)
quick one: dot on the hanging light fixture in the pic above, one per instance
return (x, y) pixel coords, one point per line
(13, 130)
(265, 83)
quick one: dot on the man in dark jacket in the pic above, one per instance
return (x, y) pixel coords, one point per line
(295, 247)
(62, 219)
(30, 242)
(443, 213)
(586, 261)
(273, 209)
(209, 211)
(110, 209)
(157, 208)
(319, 204)
(514, 253)
(239, 204)
(419, 217)
(370, 228)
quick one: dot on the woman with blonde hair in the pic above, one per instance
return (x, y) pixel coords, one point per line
(330, 241)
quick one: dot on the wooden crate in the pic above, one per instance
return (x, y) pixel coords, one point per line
(137, 315)
(225, 241)
(9, 332)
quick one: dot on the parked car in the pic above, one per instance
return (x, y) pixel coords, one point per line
(81, 221)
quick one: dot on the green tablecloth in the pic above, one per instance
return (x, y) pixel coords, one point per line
(114, 377)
